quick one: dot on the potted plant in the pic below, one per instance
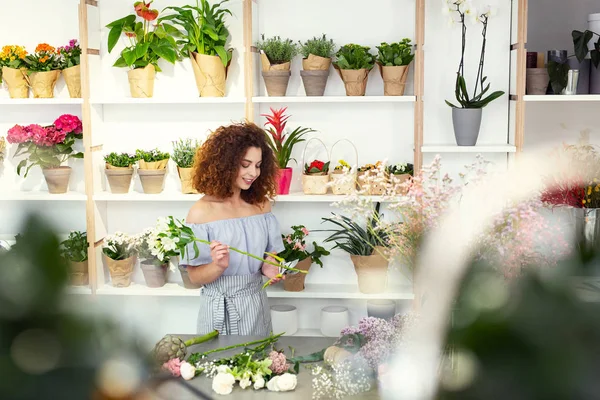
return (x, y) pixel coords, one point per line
(49, 147)
(154, 259)
(119, 253)
(315, 177)
(14, 71)
(205, 42)
(71, 69)
(399, 174)
(148, 43)
(43, 69)
(367, 249)
(283, 144)
(75, 251)
(296, 255)
(466, 117)
(373, 178)
(343, 178)
(184, 152)
(393, 61)
(119, 171)
(353, 63)
(276, 55)
(316, 60)
(152, 169)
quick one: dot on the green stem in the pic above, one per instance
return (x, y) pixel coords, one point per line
(201, 339)
(270, 339)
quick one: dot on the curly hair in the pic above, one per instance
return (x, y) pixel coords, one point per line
(218, 160)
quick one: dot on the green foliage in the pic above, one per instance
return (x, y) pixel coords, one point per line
(121, 160)
(581, 40)
(283, 149)
(278, 50)
(43, 61)
(395, 54)
(184, 151)
(152, 155)
(559, 75)
(354, 56)
(321, 47)
(462, 95)
(75, 247)
(146, 45)
(296, 238)
(204, 29)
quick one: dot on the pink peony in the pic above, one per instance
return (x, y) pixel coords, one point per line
(69, 124)
(279, 362)
(173, 366)
(18, 134)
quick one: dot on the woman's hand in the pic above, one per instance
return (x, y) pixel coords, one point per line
(220, 254)
(271, 271)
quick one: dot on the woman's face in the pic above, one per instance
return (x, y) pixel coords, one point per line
(249, 169)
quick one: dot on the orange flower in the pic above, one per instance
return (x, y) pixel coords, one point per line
(44, 59)
(44, 47)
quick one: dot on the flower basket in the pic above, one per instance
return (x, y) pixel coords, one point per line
(210, 74)
(295, 282)
(16, 81)
(43, 83)
(78, 273)
(315, 183)
(186, 176)
(72, 77)
(340, 182)
(57, 179)
(155, 275)
(141, 81)
(120, 270)
(119, 178)
(371, 271)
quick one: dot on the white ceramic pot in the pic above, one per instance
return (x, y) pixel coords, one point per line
(384, 309)
(333, 320)
(285, 319)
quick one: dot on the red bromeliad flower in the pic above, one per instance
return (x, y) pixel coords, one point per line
(142, 9)
(277, 121)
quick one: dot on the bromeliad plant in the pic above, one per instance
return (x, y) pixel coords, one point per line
(316, 168)
(354, 56)
(283, 144)
(121, 160)
(75, 247)
(45, 59)
(184, 151)
(148, 43)
(460, 10)
(295, 247)
(49, 146)
(395, 54)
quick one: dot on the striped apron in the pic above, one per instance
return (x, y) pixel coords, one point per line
(235, 305)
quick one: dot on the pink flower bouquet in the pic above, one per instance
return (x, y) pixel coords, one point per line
(46, 146)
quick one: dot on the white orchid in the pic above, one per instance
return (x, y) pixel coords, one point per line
(162, 224)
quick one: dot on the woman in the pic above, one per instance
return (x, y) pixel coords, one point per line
(236, 170)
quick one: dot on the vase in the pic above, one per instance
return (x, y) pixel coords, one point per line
(72, 77)
(57, 179)
(355, 80)
(295, 282)
(141, 81)
(155, 275)
(587, 225)
(371, 271)
(152, 180)
(583, 83)
(466, 122)
(537, 81)
(210, 75)
(333, 320)
(284, 319)
(186, 176)
(43, 83)
(187, 283)
(284, 180)
(16, 81)
(119, 178)
(120, 270)
(394, 79)
(78, 273)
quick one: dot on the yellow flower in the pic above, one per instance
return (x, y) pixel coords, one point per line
(597, 189)
(12, 58)
(589, 191)
(582, 201)
(595, 180)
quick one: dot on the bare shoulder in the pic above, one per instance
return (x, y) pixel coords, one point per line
(201, 212)
(265, 206)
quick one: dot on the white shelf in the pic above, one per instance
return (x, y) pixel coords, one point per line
(79, 290)
(42, 196)
(500, 148)
(159, 100)
(32, 101)
(300, 197)
(334, 99)
(309, 333)
(312, 291)
(562, 98)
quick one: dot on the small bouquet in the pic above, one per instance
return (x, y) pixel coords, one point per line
(12, 66)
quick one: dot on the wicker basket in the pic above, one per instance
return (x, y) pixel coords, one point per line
(313, 183)
(375, 189)
(340, 182)
(397, 180)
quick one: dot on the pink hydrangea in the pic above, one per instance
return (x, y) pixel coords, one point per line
(173, 366)
(69, 124)
(55, 136)
(38, 135)
(279, 362)
(18, 134)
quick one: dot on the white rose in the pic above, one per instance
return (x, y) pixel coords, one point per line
(223, 383)
(286, 382)
(245, 382)
(272, 384)
(222, 369)
(259, 382)
(187, 370)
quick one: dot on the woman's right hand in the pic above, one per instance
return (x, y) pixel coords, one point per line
(220, 254)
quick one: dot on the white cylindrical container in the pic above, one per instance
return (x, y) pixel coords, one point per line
(384, 309)
(333, 320)
(285, 319)
(594, 26)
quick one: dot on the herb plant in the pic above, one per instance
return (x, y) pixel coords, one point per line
(184, 151)
(395, 54)
(120, 160)
(75, 247)
(321, 47)
(354, 56)
(152, 155)
(278, 50)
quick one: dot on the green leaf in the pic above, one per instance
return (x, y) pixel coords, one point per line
(113, 36)
(580, 41)
(141, 49)
(165, 50)
(129, 55)
(20, 166)
(595, 54)
(120, 63)
(128, 20)
(222, 54)
(450, 104)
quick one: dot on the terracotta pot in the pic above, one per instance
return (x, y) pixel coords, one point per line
(210, 74)
(315, 183)
(284, 181)
(141, 81)
(120, 270)
(355, 81)
(155, 275)
(371, 271)
(16, 81)
(394, 79)
(186, 176)
(119, 179)
(537, 81)
(72, 77)
(152, 180)
(57, 179)
(314, 82)
(187, 283)
(78, 273)
(276, 82)
(295, 282)
(43, 83)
